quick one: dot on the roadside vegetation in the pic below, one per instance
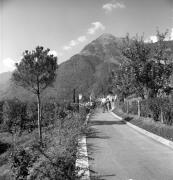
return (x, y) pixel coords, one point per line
(147, 123)
(144, 86)
(39, 139)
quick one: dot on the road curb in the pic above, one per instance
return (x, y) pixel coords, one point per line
(82, 162)
(149, 134)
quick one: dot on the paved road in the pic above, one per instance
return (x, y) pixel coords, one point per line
(121, 153)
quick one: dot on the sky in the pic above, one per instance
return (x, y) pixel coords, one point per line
(66, 26)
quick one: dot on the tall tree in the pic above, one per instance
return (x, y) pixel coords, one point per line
(146, 68)
(35, 72)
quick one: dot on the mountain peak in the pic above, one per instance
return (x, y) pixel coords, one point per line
(108, 38)
(106, 35)
(106, 47)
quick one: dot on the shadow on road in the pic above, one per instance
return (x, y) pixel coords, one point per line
(107, 123)
(93, 133)
(92, 148)
(100, 177)
(128, 119)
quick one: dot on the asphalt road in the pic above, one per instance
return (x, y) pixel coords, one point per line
(121, 153)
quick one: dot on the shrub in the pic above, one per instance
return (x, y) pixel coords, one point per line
(167, 109)
(57, 160)
(1, 112)
(20, 161)
(133, 108)
(49, 113)
(145, 111)
(14, 116)
(59, 166)
(123, 106)
(152, 108)
(155, 107)
(31, 112)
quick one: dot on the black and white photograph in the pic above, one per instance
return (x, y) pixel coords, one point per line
(86, 89)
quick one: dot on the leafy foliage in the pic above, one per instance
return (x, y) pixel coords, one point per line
(146, 70)
(57, 159)
(35, 72)
(21, 160)
(14, 116)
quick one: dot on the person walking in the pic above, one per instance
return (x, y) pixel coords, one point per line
(107, 104)
(103, 104)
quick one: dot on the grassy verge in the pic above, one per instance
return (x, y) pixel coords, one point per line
(148, 124)
(56, 159)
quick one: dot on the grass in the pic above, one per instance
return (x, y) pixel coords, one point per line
(60, 144)
(148, 124)
(25, 140)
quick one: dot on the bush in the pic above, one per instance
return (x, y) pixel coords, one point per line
(20, 161)
(133, 108)
(14, 116)
(49, 113)
(31, 112)
(57, 159)
(60, 142)
(155, 105)
(59, 166)
(1, 112)
(164, 105)
(160, 109)
(145, 111)
(123, 106)
(167, 109)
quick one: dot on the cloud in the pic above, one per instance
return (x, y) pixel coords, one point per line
(73, 43)
(66, 48)
(151, 39)
(110, 6)
(95, 27)
(53, 52)
(82, 38)
(59, 54)
(171, 35)
(9, 64)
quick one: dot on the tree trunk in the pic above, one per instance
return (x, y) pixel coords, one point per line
(39, 118)
(161, 116)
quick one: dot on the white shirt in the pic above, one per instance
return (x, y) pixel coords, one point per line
(103, 100)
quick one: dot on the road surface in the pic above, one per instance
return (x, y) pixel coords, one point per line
(121, 153)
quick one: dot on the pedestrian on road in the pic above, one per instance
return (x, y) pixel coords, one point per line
(107, 104)
(103, 104)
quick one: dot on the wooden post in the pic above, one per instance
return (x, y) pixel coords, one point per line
(127, 106)
(161, 115)
(139, 110)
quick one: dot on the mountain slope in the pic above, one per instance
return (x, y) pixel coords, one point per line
(77, 73)
(106, 47)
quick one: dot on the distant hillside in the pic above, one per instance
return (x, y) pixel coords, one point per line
(77, 73)
(87, 72)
